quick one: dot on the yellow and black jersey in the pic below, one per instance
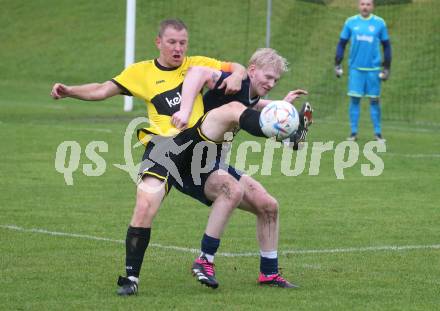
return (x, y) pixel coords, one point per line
(161, 88)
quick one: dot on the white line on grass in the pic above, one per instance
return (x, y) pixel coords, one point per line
(193, 250)
(412, 127)
(82, 129)
(85, 129)
(57, 107)
(403, 155)
(414, 155)
(89, 129)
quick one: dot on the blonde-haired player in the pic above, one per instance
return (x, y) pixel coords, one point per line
(223, 187)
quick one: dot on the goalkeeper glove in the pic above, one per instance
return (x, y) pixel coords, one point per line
(384, 74)
(338, 71)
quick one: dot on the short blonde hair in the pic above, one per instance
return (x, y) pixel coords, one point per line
(269, 57)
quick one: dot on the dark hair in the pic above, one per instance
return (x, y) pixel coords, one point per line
(175, 23)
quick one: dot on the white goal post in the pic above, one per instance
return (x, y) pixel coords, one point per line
(130, 34)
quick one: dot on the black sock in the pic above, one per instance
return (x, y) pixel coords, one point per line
(209, 244)
(250, 122)
(136, 243)
(268, 266)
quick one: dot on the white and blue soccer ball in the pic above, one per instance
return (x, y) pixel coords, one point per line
(279, 119)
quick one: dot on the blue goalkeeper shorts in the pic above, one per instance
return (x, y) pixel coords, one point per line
(364, 83)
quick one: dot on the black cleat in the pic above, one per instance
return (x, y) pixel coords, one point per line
(204, 272)
(275, 280)
(352, 137)
(379, 138)
(305, 120)
(127, 286)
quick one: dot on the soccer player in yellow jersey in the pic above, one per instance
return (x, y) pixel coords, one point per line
(159, 83)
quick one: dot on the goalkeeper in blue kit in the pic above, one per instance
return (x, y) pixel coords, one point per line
(366, 33)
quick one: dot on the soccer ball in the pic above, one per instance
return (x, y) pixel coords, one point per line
(279, 119)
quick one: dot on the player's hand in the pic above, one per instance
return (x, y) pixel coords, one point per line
(384, 74)
(292, 95)
(60, 90)
(180, 119)
(338, 71)
(232, 84)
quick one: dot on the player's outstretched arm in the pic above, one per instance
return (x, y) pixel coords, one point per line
(91, 91)
(290, 98)
(293, 95)
(196, 78)
(232, 84)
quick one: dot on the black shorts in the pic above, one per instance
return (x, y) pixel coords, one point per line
(185, 161)
(150, 167)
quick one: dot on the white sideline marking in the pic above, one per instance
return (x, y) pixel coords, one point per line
(193, 250)
(55, 106)
(86, 129)
(89, 129)
(414, 155)
(403, 155)
(415, 127)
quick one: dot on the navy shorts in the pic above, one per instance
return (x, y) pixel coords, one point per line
(187, 169)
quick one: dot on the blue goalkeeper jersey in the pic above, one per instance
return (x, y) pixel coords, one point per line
(366, 34)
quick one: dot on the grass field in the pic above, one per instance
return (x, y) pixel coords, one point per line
(319, 214)
(359, 243)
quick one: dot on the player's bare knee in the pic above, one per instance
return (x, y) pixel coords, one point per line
(142, 209)
(268, 206)
(272, 205)
(234, 105)
(147, 201)
(237, 193)
(229, 114)
(235, 108)
(230, 192)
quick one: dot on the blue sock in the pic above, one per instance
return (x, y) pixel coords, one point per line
(209, 246)
(375, 114)
(268, 262)
(354, 113)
